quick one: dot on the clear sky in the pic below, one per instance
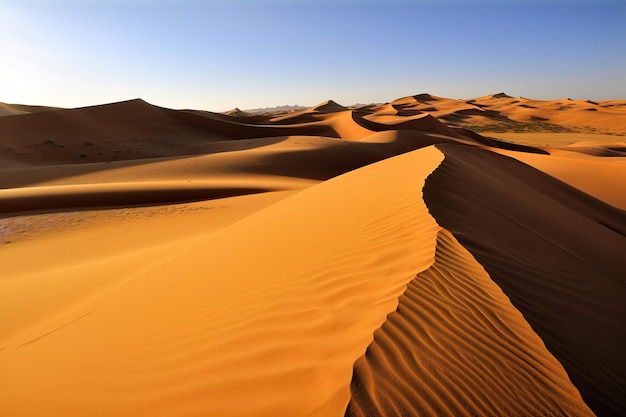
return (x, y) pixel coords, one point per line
(220, 54)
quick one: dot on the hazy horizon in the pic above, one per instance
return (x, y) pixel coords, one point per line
(218, 55)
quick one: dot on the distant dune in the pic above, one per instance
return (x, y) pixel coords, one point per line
(427, 256)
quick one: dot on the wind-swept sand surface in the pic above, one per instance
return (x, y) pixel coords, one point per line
(427, 256)
(456, 346)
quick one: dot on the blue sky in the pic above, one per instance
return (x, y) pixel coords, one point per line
(217, 55)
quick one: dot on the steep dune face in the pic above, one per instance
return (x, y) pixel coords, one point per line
(557, 253)
(456, 346)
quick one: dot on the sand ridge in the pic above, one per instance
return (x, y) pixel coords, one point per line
(456, 346)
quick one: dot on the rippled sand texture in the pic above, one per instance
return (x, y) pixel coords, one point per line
(456, 346)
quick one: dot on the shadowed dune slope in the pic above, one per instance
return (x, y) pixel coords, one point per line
(126, 130)
(225, 168)
(124, 194)
(455, 346)
(421, 122)
(556, 252)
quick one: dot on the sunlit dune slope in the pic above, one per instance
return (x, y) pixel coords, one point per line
(275, 308)
(601, 177)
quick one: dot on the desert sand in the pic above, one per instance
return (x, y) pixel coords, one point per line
(427, 256)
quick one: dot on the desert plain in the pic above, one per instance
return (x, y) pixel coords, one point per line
(427, 256)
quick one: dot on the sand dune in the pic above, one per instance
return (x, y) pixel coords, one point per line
(185, 262)
(237, 112)
(499, 113)
(285, 325)
(557, 253)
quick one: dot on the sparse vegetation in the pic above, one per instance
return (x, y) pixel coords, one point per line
(520, 127)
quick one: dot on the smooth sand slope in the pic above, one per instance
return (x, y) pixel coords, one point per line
(601, 177)
(185, 262)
